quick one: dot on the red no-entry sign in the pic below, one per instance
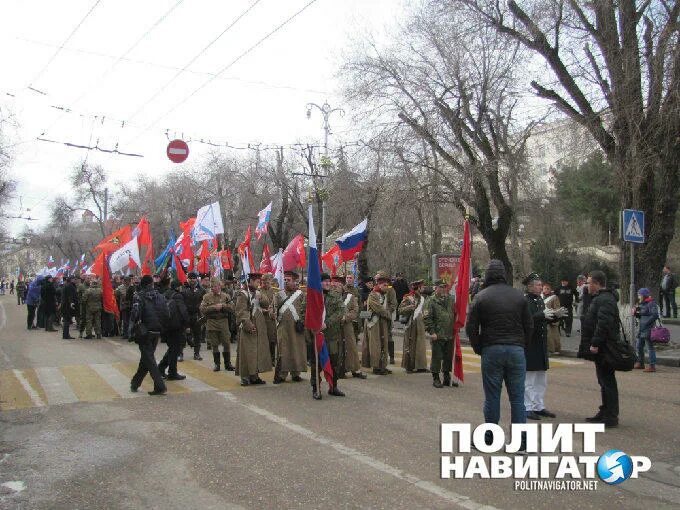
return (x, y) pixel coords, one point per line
(178, 151)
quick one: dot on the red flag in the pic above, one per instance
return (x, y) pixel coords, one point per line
(294, 255)
(143, 233)
(332, 259)
(185, 244)
(203, 262)
(245, 247)
(116, 240)
(100, 267)
(181, 275)
(226, 259)
(266, 264)
(462, 293)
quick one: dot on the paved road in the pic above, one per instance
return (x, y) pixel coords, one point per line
(72, 436)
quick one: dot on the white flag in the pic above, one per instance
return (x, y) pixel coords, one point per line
(208, 223)
(277, 263)
(121, 257)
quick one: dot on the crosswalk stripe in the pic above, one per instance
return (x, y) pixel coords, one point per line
(32, 378)
(13, 394)
(116, 380)
(195, 384)
(32, 393)
(218, 380)
(129, 369)
(87, 384)
(55, 385)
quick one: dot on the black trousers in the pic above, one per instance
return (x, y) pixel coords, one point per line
(335, 365)
(147, 364)
(196, 333)
(66, 319)
(31, 316)
(124, 322)
(669, 304)
(175, 340)
(606, 378)
(566, 322)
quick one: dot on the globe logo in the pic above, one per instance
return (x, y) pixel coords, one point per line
(614, 467)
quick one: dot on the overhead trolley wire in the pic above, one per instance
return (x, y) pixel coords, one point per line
(117, 61)
(56, 53)
(228, 66)
(193, 59)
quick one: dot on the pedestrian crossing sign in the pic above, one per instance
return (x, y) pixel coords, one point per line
(633, 226)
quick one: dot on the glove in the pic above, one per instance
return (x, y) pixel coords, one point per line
(549, 313)
(561, 312)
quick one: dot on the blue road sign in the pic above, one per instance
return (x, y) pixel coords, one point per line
(633, 226)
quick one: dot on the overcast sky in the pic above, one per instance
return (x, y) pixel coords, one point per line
(119, 74)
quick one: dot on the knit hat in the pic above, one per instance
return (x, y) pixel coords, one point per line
(495, 273)
(644, 292)
(146, 280)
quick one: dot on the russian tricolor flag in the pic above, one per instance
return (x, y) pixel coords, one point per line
(352, 242)
(315, 313)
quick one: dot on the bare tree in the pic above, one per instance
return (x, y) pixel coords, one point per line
(615, 69)
(453, 86)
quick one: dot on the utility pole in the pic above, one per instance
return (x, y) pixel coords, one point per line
(326, 112)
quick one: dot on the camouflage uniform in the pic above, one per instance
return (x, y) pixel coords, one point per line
(82, 287)
(391, 304)
(217, 326)
(335, 310)
(438, 317)
(93, 309)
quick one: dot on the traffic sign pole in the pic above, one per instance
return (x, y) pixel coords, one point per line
(632, 290)
(633, 230)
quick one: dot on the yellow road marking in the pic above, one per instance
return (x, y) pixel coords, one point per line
(32, 379)
(87, 384)
(218, 380)
(12, 393)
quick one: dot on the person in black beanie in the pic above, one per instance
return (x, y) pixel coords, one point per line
(148, 318)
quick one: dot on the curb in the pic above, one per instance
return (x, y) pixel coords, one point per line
(666, 361)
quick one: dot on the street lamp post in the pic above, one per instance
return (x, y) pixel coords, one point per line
(326, 112)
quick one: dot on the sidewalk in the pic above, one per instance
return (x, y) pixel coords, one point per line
(666, 355)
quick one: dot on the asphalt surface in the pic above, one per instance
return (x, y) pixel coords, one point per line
(71, 436)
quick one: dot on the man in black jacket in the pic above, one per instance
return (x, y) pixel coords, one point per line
(566, 294)
(193, 296)
(174, 334)
(150, 310)
(499, 326)
(669, 283)
(69, 306)
(600, 326)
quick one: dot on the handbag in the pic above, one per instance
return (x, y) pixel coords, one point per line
(620, 354)
(660, 334)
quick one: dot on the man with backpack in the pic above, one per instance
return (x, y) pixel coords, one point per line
(174, 333)
(148, 318)
(601, 326)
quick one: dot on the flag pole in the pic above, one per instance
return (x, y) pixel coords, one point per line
(316, 357)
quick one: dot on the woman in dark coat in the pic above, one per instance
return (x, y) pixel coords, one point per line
(536, 351)
(49, 302)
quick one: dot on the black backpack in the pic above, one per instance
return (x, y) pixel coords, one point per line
(620, 354)
(174, 315)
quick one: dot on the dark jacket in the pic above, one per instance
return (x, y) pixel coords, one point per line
(671, 283)
(400, 288)
(144, 311)
(499, 314)
(536, 350)
(181, 321)
(648, 313)
(69, 301)
(600, 324)
(566, 296)
(33, 294)
(193, 296)
(48, 297)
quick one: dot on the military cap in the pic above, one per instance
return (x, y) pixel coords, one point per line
(192, 274)
(325, 276)
(215, 281)
(440, 283)
(292, 274)
(175, 284)
(531, 277)
(417, 283)
(204, 275)
(338, 278)
(268, 276)
(254, 276)
(382, 276)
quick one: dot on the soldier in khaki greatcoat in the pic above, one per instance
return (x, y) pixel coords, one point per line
(290, 307)
(215, 307)
(415, 340)
(269, 314)
(349, 354)
(253, 355)
(376, 329)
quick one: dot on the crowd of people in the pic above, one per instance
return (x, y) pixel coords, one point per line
(513, 331)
